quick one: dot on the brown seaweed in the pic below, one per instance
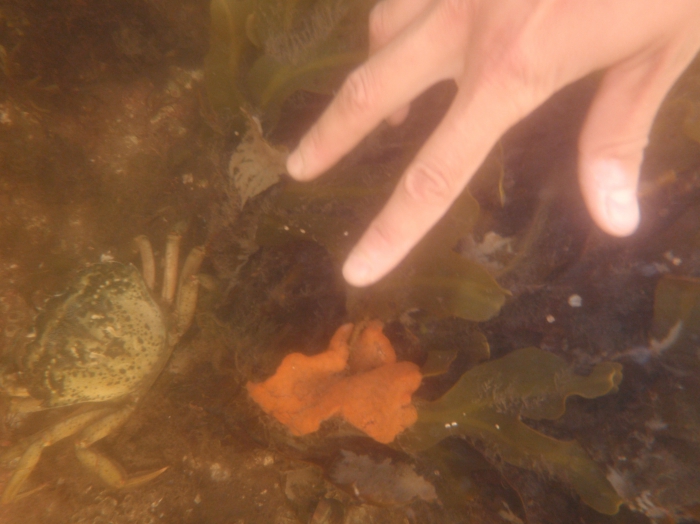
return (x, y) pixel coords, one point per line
(489, 402)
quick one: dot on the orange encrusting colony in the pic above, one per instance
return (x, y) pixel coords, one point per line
(375, 398)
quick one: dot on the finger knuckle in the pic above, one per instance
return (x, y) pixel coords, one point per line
(628, 149)
(313, 141)
(515, 74)
(378, 23)
(359, 93)
(452, 21)
(384, 238)
(517, 65)
(456, 11)
(430, 184)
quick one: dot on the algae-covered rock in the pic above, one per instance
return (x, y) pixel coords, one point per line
(489, 402)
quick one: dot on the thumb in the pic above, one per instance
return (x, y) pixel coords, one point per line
(615, 133)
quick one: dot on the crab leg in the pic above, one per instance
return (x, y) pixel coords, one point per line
(148, 265)
(109, 471)
(187, 292)
(185, 307)
(172, 254)
(192, 263)
(103, 427)
(46, 438)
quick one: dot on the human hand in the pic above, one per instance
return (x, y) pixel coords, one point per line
(507, 58)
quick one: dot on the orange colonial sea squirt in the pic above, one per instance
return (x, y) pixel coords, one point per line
(357, 380)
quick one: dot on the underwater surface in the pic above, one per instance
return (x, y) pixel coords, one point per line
(520, 366)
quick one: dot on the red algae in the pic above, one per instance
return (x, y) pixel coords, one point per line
(373, 394)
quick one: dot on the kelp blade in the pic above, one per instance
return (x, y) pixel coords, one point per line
(487, 404)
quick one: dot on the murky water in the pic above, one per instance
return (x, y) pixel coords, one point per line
(108, 130)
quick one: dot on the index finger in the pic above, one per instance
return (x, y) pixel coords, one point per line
(417, 58)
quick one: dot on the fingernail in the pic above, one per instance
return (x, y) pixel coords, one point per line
(357, 270)
(622, 210)
(295, 164)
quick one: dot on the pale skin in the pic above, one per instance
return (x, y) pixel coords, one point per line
(507, 57)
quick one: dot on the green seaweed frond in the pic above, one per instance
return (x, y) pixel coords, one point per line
(489, 402)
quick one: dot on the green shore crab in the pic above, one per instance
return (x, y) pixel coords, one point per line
(99, 346)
